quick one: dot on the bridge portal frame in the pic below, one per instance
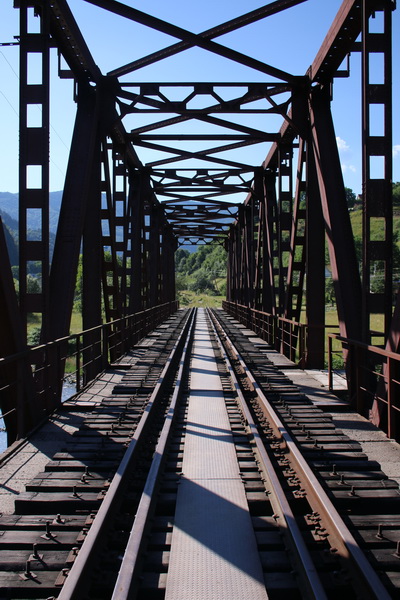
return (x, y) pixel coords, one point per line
(276, 244)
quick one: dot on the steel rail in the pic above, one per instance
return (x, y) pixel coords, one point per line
(369, 582)
(129, 566)
(278, 499)
(78, 577)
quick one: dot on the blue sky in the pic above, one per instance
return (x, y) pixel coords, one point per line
(288, 41)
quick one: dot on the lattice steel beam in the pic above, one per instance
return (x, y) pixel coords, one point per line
(34, 148)
(189, 38)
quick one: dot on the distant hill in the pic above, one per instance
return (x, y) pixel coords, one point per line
(11, 223)
(9, 216)
(10, 241)
(9, 204)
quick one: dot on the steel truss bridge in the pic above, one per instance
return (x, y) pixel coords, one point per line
(127, 217)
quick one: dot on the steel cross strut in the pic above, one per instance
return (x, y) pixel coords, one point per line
(233, 106)
(252, 137)
(197, 210)
(180, 155)
(203, 40)
(202, 176)
(254, 92)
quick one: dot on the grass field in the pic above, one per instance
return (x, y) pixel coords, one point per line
(192, 299)
(189, 298)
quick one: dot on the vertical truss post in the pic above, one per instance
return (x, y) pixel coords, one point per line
(234, 263)
(249, 256)
(78, 181)
(315, 269)
(146, 266)
(120, 189)
(296, 266)
(154, 255)
(92, 271)
(270, 256)
(241, 249)
(259, 275)
(341, 248)
(111, 282)
(377, 162)
(34, 146)
(12, 340)
(284, 216)
(237, 254)
(168, 248)
(229, 246)
(135, 241)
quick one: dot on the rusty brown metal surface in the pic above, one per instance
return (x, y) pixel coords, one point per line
(139, 213)
(377, 182)
(336, 217)
(34, 148)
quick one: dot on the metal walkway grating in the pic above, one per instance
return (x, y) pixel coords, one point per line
(213, 552)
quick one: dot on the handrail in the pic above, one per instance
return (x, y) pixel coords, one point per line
(287, 335)
(382, 388)
(43, 367)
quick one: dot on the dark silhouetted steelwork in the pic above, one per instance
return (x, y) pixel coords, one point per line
(128, 218)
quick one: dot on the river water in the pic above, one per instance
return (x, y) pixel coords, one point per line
(69, 390)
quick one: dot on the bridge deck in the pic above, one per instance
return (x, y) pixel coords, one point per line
(211, 558)
(27, 458)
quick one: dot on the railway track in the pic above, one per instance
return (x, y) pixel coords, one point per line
(345, 491)
(102, 520)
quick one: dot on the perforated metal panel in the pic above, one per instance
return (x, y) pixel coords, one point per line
(213, 552)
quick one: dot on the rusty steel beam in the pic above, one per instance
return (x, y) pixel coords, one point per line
(76, 192)
(315, 269)
(190, 38)
(296, 266)
(71, 42)
(91, 272)
(377, 179)
(110, 270)
(229, 26)
(34, 148)
(340, 39)
(341, 248)
(135, 236)
(20, 409)
(200, 117)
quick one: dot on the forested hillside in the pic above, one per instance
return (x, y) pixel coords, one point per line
(201, 271)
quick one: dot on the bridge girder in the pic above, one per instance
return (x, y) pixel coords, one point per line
(198, 184)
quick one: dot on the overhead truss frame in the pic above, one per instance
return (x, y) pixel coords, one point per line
(138, 212)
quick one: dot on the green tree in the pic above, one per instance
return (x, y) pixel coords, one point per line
(181, 282)
(78, 287)
(202, 282)
(396, 193)
(329, 291)
(34, 336)
(181, 256)
(33, 285)
(350, 197)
